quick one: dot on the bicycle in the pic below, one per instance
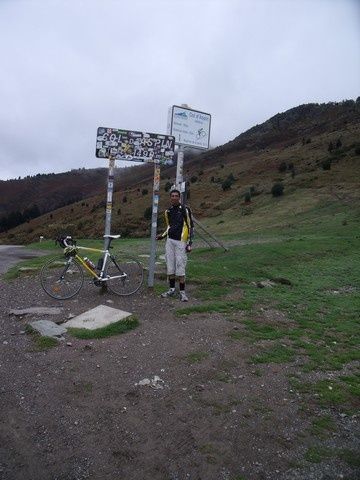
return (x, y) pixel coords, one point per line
(62, 277)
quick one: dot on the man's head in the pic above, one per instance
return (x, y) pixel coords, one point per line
(175, 197)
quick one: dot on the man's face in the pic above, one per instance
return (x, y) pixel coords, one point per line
(174, 198)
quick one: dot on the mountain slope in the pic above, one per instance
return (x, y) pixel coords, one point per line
(313, 150)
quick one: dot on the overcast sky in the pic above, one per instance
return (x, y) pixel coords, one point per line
(68, 67)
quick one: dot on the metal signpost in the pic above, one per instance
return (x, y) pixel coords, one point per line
(116, 144)
(190, 128)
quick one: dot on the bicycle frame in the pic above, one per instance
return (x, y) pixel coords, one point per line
(105, 256)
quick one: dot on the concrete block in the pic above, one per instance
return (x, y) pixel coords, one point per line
(98, 317)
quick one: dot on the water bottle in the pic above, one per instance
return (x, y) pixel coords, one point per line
(89, 263)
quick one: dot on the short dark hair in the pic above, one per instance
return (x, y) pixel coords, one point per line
(175, 190)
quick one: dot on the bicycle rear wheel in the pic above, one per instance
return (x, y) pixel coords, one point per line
(62, 277)
(128, 273)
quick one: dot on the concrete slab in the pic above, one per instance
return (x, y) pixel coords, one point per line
(98, 317)
(47, 328)
(37, 311)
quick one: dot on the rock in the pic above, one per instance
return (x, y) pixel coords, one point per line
(156, 382)
(46, 328)
(265, 284)
(36, 311)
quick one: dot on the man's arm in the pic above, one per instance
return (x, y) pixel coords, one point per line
(164, 234)
(191, 226)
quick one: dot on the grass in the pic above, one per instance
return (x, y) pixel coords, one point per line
(196, 357)
(319, 256)
(275, 354)
(317, 454)
(41, 343)
(116, 328)
(135, 246)
(337, 393)
(219, 307)
(322, 426)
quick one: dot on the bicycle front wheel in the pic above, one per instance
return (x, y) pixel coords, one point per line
(125, 274)
(62, 277)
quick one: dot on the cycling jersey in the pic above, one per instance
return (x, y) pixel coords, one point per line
(179, 223)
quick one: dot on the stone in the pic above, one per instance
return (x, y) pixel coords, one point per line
(36, 311)
(98, 317)
(265, 283)
(47, 328)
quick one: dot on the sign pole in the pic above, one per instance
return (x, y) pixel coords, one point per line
(110, 189)
(179, 173)
(155, 207)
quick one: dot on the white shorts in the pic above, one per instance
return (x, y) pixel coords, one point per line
(176, 257)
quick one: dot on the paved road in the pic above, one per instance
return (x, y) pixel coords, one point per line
(11, 254)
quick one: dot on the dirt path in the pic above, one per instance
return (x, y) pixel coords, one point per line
(12, 254)
(75, 412)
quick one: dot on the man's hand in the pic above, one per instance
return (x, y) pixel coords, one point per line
(188, 248)
(158, 237)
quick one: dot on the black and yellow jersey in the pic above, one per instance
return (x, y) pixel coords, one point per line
(179, 223)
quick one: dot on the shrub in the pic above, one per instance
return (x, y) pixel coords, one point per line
(282, 167)
(277, 190)
(357, 151)
(326, 164)
(212, 179)
(338, 143)
(226, 185)
(247, 197)
(148, 213)
(193, 179)
(231, 178)
(144, 191)
(124, 200)
(168, 185)
(252, 190)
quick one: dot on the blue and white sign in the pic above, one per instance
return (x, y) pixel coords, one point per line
(189, 127)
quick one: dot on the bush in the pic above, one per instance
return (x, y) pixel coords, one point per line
(193, 179)
(247, 197)
(168, 185)
(326, 164)
(124, 200)
(282, 167)
(277, 190)
(144, 191)
(148, 213)
(357, 151)
(252, 190)
(226, 185)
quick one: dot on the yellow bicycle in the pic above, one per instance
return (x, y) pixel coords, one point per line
(62, 277)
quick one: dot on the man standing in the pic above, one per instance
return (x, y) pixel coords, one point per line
(179, 232)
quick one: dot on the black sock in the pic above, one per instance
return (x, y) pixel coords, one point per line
(172, 282)
(182, 287)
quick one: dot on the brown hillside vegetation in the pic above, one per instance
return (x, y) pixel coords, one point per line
(312, 150)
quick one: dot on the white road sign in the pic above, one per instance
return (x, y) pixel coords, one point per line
(189, 127)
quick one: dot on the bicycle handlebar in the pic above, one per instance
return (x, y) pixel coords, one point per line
(65, 241)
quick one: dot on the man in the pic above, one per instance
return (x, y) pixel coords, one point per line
(179, 233)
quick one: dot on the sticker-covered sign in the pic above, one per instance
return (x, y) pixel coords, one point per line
(189, 127)
(137, 146)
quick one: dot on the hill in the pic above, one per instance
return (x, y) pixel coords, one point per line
(312, 150)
